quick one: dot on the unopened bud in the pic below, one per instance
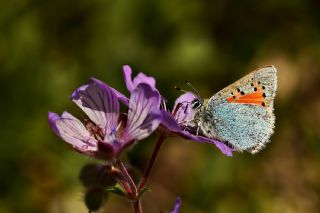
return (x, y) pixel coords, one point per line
(95, 197)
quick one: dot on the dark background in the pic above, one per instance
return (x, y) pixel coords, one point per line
(48, 48)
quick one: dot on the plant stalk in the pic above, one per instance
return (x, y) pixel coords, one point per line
(151, 161)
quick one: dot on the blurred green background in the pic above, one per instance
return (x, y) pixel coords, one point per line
(48, 48)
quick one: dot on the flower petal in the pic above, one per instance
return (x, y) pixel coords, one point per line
(100, 103)
(127, 75)
(169, 122)
(225, 149)
(53, 117)
(144, 114)
(177, 205)
(120, 96)
(182, 110)
(71, 130)
(140, 78)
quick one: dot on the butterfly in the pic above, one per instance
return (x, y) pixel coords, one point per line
(240, 115)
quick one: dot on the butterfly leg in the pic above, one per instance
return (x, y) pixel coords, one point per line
(197, 132)
(186, 126)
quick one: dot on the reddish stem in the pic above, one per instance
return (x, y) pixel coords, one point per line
(137, 206)
(127, 178)
(152, 159)
(128, 184)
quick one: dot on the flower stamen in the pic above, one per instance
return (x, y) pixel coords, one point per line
(163, 105)
(176, 109)
(94, 130)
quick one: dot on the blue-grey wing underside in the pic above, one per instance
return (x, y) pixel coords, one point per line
(242, 125)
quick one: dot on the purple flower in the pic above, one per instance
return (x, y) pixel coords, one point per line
(177, 205)
(107, 132)
(140, 78)
(178, 122)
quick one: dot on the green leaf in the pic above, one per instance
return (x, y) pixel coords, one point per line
(144, 190)
(117, 189)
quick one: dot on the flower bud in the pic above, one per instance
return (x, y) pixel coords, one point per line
(97, 174)
(95, 197)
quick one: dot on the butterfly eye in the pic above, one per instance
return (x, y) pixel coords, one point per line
(196, 103)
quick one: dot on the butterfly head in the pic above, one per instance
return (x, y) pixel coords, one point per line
(197, 102)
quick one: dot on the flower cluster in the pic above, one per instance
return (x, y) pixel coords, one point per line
(106, 132)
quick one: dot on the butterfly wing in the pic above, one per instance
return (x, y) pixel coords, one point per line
(242, 113)
(244, 126)
(259, 81)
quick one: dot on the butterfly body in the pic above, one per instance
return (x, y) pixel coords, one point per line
(241, 114)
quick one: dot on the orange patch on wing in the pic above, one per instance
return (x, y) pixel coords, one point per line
(251, 98)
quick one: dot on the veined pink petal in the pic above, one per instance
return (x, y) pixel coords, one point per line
(225, 149)
(53, 117)
(71, 130)
(182, 110)
(140, 78)
(127, 75)
(144, 115)
(169, 121)
(100, 103)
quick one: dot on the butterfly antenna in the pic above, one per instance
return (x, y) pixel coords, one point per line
(179, 89)
(194, 90)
